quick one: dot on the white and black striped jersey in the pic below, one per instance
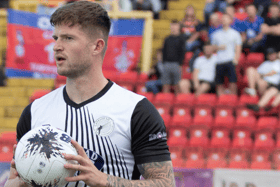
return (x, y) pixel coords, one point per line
(122, 127)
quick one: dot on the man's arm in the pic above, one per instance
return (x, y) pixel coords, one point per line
(259, 37)
(195, 78)
(244, 37)
(157, 174)
(14, 180)
(266, 29)
(238, 50)
(271, 73)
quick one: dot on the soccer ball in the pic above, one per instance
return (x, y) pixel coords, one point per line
(39, 157)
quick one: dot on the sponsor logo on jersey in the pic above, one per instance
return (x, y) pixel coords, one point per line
(159, 135)
(96, 159)
(104, 126)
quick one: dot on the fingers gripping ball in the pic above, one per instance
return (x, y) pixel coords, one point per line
(39, 157)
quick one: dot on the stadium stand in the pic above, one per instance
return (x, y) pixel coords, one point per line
(194, 123)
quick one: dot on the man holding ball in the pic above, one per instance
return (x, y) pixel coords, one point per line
(122, 127)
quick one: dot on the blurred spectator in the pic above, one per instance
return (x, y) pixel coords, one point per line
(269, 27)
(216, 5)
(262, 7)
(215, 24)
(173, 56)
(212, 6)
(253, 37)
(4, 4)
(42, 9)
(154, 5)
(265, 99)
(203, 76)
(215, 21)
(125, 5)
(3, 77)
(227, 42)
(265, 76)
(155, 72)
(236, 23)
(191, 29)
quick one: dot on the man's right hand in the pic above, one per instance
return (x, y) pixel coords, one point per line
(14, 179)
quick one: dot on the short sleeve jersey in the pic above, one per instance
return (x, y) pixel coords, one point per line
(122, 127)
(230, 38)
(252, 29)
(206, 67)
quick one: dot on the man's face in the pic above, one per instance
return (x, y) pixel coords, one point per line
(73, 50)
(274, 11)
(272, 56)
(251, 11)
(175, 28)
(208, 50)
(230, 10)
(214, 19)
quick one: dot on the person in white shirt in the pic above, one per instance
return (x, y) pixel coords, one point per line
(203, 76)
(265, 99)
(265, 76)
(228, 44)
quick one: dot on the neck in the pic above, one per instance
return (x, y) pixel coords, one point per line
(82, 88)
(252, 18)
(175, 34)
(208, 56)
(226, 27)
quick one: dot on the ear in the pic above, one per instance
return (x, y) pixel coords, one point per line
(98, 46)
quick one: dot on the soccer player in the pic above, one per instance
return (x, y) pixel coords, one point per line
(102, 118)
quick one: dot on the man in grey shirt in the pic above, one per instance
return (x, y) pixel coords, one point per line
(227, 42)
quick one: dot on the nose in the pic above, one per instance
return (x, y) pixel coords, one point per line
(58, 46)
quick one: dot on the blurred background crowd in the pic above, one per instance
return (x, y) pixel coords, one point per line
(215, 79)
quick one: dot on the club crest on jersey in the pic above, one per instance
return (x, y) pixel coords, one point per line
(104, 126)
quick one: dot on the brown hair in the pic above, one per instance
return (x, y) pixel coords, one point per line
(251, 4)
(274, 4)
(92, 17)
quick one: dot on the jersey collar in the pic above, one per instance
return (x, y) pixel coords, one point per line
(94, 98)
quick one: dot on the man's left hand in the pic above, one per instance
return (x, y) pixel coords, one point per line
(88, 172)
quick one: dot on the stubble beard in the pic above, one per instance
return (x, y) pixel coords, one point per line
(75, 70)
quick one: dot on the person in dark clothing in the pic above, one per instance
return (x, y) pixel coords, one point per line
(4, 4)
(262, 6)
(270, 25)
(155, 73)
(3, 77)
(191, 29)
(173, 56)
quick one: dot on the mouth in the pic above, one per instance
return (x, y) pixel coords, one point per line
(60, 59)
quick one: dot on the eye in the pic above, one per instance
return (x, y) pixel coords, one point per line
(69, 38)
